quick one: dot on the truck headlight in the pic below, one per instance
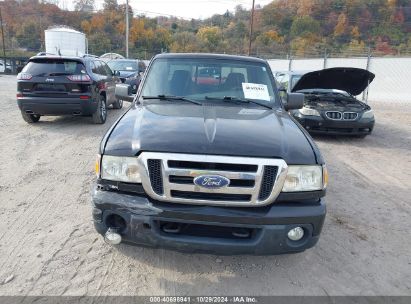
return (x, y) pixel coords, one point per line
(309, 112)
(305, 178)
(121, 169)
(368, 114)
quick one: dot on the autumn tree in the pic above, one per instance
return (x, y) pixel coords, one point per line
(185, 42)
(210, 37)
(270, 37)
(342, 24)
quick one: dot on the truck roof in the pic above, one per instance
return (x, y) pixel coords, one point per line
(210, 56)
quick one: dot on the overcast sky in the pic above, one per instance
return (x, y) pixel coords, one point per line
(183, 8)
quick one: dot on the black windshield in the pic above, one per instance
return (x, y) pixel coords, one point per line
(205, 79)
(54, 67)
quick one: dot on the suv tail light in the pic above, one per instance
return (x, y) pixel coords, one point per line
(79, 78)
(24, 76)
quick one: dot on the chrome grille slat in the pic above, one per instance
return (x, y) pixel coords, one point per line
(193, 173)
(226, 196)
(195, 188)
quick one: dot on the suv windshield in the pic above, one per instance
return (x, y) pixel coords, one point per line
(50, 67)
(203, 79)
(130, 65)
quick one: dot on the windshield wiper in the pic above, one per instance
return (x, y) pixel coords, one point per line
(244, 100)
(172, 97)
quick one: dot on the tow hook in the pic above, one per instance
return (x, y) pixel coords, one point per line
(112, 236)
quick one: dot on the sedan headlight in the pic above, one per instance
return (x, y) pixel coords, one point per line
(121, 169)
(368, 114)
(305, 178)
(309, 112)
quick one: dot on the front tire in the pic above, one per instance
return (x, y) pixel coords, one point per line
(100, 115)
(30, 118)
(118, 104)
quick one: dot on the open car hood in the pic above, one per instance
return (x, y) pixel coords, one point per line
(351, 80)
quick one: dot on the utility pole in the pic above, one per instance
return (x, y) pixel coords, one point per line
(251, 29)
(127, 29)
(4, 46)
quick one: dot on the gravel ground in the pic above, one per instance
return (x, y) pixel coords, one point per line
(48, 245)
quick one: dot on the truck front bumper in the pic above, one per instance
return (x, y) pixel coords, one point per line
(208, 229)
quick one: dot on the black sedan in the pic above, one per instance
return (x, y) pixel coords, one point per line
(330, 106)
(129, 71)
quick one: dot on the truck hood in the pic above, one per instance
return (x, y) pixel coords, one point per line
(351, 80)
(209, 129)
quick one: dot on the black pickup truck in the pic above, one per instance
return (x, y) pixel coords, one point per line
(209, 162)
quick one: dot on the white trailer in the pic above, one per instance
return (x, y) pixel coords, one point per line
(65, 41)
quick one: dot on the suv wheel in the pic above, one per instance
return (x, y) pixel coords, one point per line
(100, 115)
(118, 104)
(30, 118)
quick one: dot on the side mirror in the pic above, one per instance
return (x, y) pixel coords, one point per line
(123, 92)
(116, 73)
(294, 101)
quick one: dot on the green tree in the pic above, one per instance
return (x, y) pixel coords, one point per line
(304, 25)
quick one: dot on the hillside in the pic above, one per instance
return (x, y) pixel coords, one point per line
(300, 28)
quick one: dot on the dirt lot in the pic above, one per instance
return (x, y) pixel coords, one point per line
(48, 245)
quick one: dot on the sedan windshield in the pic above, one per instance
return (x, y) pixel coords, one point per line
(123, 65)
(211, 80)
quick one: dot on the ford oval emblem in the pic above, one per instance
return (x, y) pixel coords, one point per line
(211, 181)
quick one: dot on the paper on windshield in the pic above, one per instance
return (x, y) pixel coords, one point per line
(255, 91)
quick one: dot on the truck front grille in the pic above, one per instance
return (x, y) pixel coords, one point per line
(170, 177)
(270, 173)
(156, 177)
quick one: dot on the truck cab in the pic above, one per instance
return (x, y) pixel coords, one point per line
(209, 166)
